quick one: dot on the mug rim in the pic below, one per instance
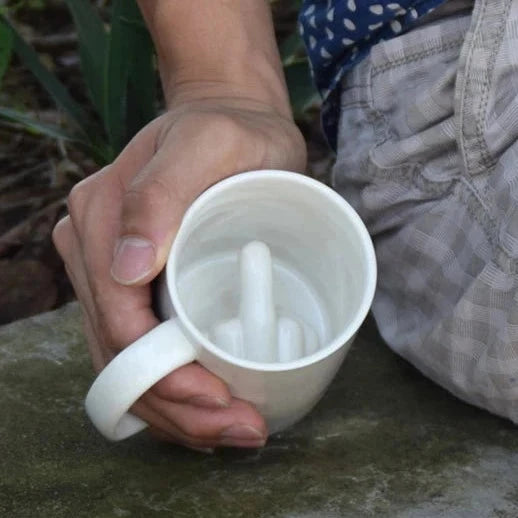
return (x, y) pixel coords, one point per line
(348, 330)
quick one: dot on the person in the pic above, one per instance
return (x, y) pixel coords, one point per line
(421, 107)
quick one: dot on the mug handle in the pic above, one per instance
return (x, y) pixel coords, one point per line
(131, 373)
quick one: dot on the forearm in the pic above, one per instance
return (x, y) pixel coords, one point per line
(227, 45)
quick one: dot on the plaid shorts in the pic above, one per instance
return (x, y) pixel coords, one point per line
(428, 156)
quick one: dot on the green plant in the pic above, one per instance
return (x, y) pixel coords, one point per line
(298, 75)
(6, 48)
(118, 69)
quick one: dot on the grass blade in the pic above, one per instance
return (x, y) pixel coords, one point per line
(6, 48)
(129, 59)
(115, 76)
(300, 86)
(291, 48)
(93, 44)
(35, 126)
(48, 80)
(96, 148)
(142, 76)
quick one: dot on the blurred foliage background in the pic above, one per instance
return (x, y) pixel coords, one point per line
(78, 79)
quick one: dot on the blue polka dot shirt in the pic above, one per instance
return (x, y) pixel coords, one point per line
(339, 33)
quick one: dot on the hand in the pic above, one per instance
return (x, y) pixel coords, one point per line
(121, 224)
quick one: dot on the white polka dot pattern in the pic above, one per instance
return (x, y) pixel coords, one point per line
(339, 33)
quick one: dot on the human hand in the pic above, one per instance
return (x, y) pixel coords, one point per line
(121, 224)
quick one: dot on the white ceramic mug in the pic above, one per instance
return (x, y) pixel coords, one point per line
(268, 280)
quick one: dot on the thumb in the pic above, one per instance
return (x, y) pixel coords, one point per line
(151, 213)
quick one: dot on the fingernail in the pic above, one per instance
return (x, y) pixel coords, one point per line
(243, 436)
(208, 451)
(134, 258)
(237, 443)
(208, 402)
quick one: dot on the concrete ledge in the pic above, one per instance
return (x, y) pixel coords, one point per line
(384, 441)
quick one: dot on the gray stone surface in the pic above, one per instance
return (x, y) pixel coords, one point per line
(383, 442)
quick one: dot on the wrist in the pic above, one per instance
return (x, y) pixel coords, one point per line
(229, 47)
(259, 86)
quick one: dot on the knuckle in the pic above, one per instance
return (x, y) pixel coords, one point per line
(152, 191)
(79, 195)
(146, 198)
(61, 235)
(77, 199)
(194, 430)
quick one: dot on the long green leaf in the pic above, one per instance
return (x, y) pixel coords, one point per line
(93, 44)
(35, 126)
(49, 81)
(6, 48)
(291, 48)
(142, 77)
(300, 86)
(97, 149)
(116, 72)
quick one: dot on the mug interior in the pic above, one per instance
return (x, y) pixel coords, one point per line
(324, 270)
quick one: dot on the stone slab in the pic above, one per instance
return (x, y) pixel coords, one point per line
(384, 441)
